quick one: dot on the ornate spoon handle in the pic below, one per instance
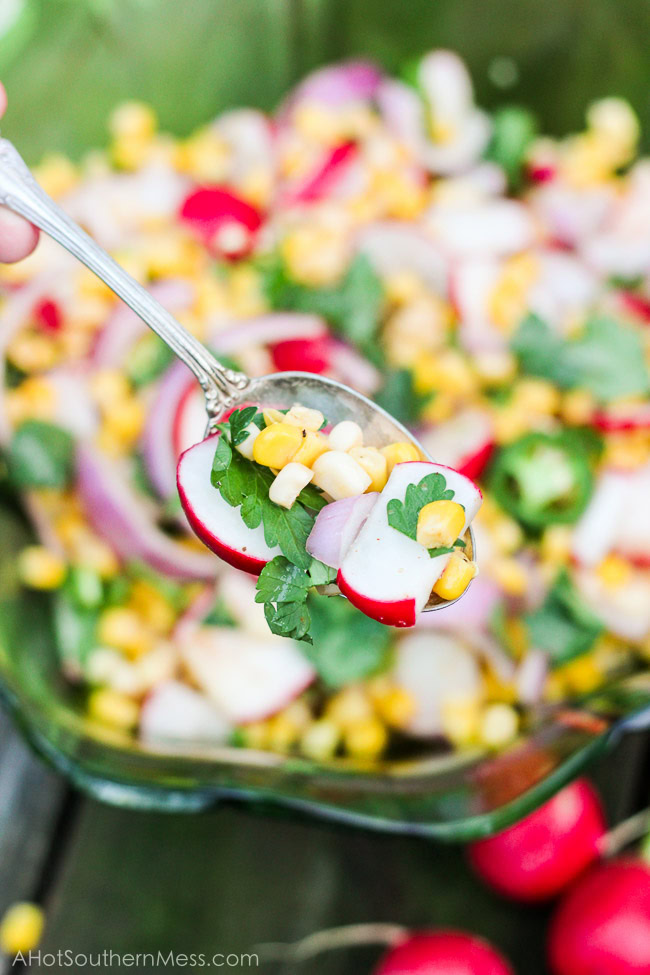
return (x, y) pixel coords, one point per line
(20, 192)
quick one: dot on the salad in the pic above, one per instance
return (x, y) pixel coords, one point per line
(488, 286)
(314, 506)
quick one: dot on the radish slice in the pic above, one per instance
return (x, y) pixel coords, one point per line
(126, 521)
(217, 524)
(174, 712)
(225, 222)
(571, 216)
(492, 228)
(302, 355)
(599, 528)
(392, 247)
(628, 417)
(624, 610)
(336, 527)
(322, 182)
(435, 669)
(471, 285)
(247, 678)
(464, 443)
(190, 420)
(388, 575)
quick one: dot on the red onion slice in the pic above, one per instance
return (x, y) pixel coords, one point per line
(127, 522)
(336, 527)
(158, 448)
(266, 330)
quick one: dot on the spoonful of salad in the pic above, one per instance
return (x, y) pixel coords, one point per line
(299, 479)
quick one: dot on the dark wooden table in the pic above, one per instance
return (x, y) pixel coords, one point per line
(225, 881)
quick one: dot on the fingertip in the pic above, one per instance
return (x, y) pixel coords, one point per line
(3, 99)
(18, 238)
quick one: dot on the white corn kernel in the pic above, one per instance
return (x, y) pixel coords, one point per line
(300, 416)
(340, 475)
(245, 448)
(346, 435)
(289, 483)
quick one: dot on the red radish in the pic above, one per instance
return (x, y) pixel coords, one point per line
(543, 853)
(217, 524)
(302, 355)
(190, 420)
(175, 713)
(433, 668)
(330, 171)
(493, 228)
(603, 923)
(386, 574)
(443, 952)
(224, 221)
(48, 315)
(465, 443)
(637, 304)
(247, 677)
(612, 420)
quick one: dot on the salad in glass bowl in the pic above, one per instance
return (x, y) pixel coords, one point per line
(486, 285)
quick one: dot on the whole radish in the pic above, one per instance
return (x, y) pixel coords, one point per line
(603, 923)
(539, 856)
(443, 953)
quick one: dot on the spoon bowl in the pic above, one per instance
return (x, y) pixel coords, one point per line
(223, 388)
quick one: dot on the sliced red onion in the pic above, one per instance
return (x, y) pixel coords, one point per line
(531, 676)
(124, 327)
(158, 436)
(265, 330)
(127, 522)
(337, 85)
(336, 527)
(465, 442)
(353, 369)
(472, 612)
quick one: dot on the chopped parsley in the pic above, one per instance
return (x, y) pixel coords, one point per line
(283, 587)
(403, 515)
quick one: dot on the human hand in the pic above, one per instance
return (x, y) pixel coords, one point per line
(17, 237)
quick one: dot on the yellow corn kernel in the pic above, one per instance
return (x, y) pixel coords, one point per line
(125, 421)
(456, 577)
(256, 186)
(276, 445)
(402, 287)
(315, 255)
(257, 735)
(510, 422)
(586, 160)
(396, 706)
(152, 607)
(508, 301)
(349, 706)
(447, 371)
(133, 119)
(499, 725)
(510, 575)
(33, 352)
(374, 464)
(614, 571)
(496, 368)
(399, 453)
(577, 407)
(35, 398)
(506, 535)
(113, 708)
(628, 450)
(246, 294)
(320, 741)
(440, 523)
(108, 387)
(498, 690)
(615, 122)
(416, 328)
(272, 416)
(365, 739)
(460, 717)
(306, 419)
(556, 544)
(582, 675)
(96, 554)
(283, 733)
(538, 396)
(21, 928)
(311, 448)
(124, 629)
(40, 568)
(56, 175)
(204, 156)
(439, 409)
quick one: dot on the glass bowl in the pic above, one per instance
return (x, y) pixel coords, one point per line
(451, 796)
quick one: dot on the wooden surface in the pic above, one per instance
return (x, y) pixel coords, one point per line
(226, 881)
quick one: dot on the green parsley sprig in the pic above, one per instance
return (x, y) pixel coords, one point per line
(403, 515)
(283, 587)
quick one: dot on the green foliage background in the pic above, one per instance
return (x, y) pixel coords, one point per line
(191, 58)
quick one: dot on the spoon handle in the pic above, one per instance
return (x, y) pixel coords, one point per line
(20, 192)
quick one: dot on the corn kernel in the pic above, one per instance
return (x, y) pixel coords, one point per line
(124, 629)
(133, 119)
(510, 422)
(35, 398)
(204, 156)
(507, 535)
(21, 928)
(315, 256)
(537, 395)
(365, 739)
(257, 735)
(113, 708)
(374, 464)
(440, 523)
(460, 718)
(439, 409)
(402, 287)
(40, 568)
(125, 421)
(345, 435)
(288, 484)
(56, 175)
(457, 575)
(283, 733)
(495, 368)
(510, 575)
(306, 419)
(349, 706)
(399, 453)
(311, 448)
(556, 544)
(583, 675)
(277, 444)
(628, 450)
(109, 386)
(272, 416)
(33, 352)
(320, 741)
(499, 725)
(152, 607)
(614, 571)
(448, 371)
(396, 706)
(577, 407)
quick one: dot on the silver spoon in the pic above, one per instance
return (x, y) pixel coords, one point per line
(223, 388)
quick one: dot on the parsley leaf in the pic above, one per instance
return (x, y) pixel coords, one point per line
(607, 358)
(40, 455)
(563, 625)
(238, 421)
(398, 397)
(514, 129)
(281, 582)
(222, 456)
(446, 549)
(403, 515)
(289, 619)
(289, 528)
(348, 646)
(321, 574)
